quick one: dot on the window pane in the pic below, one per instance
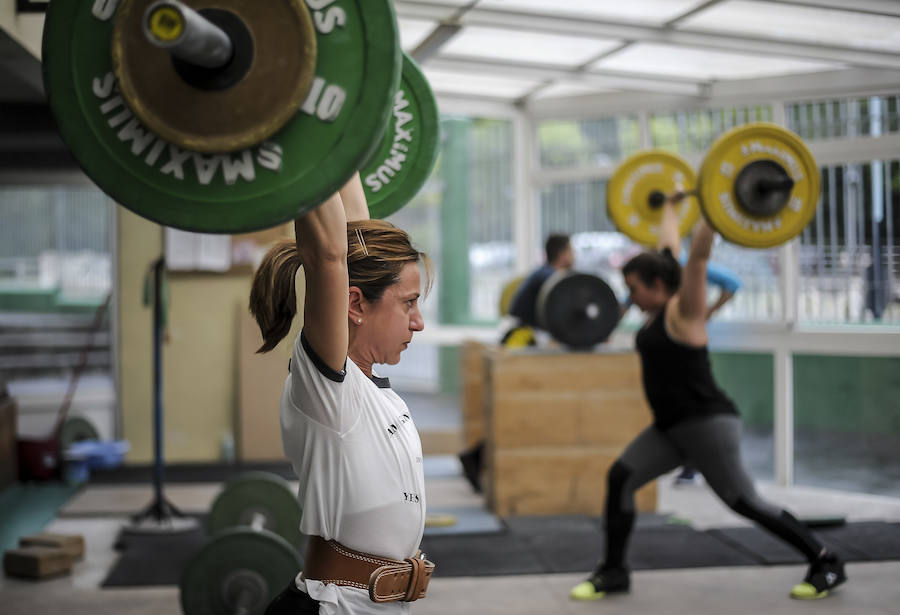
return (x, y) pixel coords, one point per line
(463, 218)
(55, 239)
(873, 116)
(684, 132)
(849, 259)
(564, 143)
(847, 423)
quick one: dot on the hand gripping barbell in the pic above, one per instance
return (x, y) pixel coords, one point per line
(758, 187)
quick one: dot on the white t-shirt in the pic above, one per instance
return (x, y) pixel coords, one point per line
(354, 447)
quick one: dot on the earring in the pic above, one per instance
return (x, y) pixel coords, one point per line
(359, 320)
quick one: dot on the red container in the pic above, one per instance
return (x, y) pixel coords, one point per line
(38, 459)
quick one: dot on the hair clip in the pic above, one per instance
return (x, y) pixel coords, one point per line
(362, 242)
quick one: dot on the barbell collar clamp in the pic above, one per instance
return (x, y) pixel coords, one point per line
(187, 35)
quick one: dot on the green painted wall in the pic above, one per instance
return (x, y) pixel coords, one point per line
(836, 394)
(748, 378)
(454, 261)
(849, 394)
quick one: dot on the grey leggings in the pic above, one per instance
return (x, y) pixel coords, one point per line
(712, 445)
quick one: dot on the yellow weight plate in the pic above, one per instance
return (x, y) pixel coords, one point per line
(631, 186)
(732, 153)
(508, 292)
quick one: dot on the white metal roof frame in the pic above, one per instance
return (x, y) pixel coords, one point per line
(650, 54)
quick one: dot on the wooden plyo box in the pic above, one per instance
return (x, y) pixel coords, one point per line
(71, 544)
(36, 562)
(473, 392)
(555, 423)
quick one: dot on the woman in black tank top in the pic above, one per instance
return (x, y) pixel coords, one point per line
(694, 420)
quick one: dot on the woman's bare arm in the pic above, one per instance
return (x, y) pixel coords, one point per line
(692, 294)
(354, 199)
(322, 246)
(668, 226)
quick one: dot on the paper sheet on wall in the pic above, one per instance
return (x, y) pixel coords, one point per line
(197, 251)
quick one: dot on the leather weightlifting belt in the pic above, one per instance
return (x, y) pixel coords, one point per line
(387, 580)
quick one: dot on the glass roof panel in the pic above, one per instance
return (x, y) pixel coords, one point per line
(528, 47)
(888, 7)
(477, 85)
(704, 64)
(450, 7)
(651, 12)
(414, 31)
(800, 23)
(564, 89)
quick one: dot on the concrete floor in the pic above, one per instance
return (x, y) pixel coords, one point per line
(873, 589)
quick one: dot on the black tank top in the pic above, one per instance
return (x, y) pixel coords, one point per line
(678, 380)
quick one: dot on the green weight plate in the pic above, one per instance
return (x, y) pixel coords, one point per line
(406, 154)
(333, 133)
(76, 429)
(257, 493)
(238, 571)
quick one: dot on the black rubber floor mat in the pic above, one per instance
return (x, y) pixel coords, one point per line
(864, 540)
(681, 547)
(758, 544)
(481, 555)
(153, 559)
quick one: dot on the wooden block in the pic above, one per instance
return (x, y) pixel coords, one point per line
(36, 562)
(441, 442)
(555, 481)
(556, 422)
(473, 391)
(552, 418)
(568, 371)
(72, 544)
(9, 469)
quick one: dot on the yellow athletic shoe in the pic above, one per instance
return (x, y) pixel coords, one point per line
(601, 583)
(826, 573)
(806, 591)
(585, 591)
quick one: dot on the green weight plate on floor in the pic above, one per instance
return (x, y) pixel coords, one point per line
(333, 133)
(239, 571)
(75, 429)
(257, 493)
(407, 152)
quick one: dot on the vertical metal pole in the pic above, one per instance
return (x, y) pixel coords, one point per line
(158, 307)
(115, 315)
(645, 138)
(784, 416)
(889, 234)
(525, 205)
(820, 244)
(834, 260)
(877, 171)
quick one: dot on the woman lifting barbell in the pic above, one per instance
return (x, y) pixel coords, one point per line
(351, 440)
(694, 421)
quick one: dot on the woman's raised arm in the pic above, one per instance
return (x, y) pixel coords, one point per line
(322, 246)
